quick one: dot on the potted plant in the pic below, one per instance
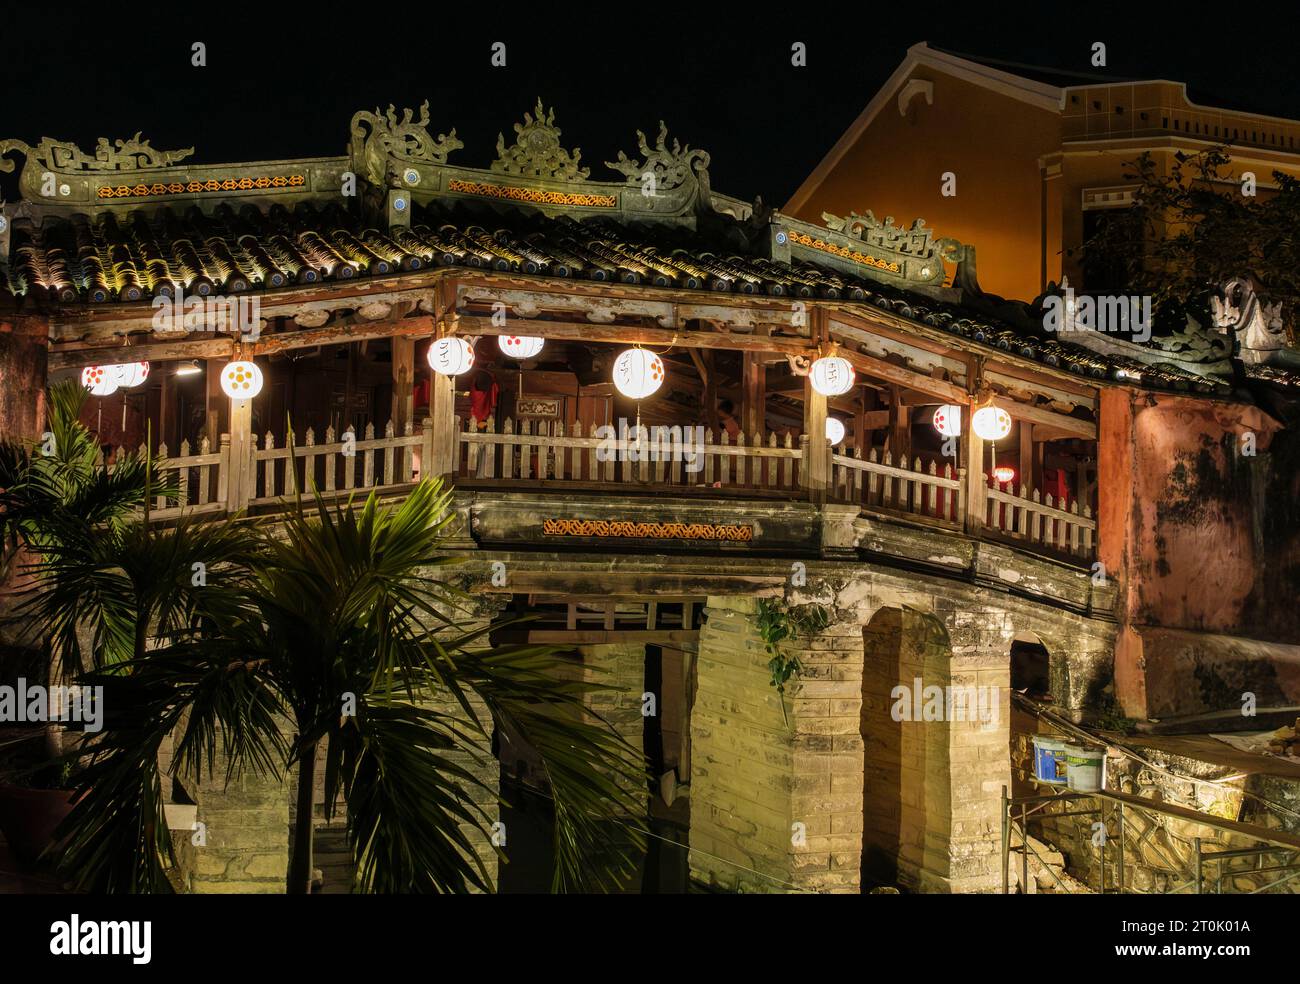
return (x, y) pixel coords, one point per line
(33, 802)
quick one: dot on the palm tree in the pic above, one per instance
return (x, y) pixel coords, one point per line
(340, 624)
(52, 491)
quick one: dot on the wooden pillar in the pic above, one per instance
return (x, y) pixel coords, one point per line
(1026, 455)
(167, 413)
(976, 484)
(1040, 449)
(816, 470)
(753, 413)
(239, 486)
(706, 368)
(860, 423)
(900, 426)
(217, 403)
(442, 413)
(403, 412)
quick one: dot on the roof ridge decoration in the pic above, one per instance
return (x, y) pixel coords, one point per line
(375, 136)
(537, 151)
(915, 240)
(669, 167)
(133, 154)
(1242, 310)
(865, 246)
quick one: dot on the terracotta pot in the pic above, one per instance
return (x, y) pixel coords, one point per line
(28, 818)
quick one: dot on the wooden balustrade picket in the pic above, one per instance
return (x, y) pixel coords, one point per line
(383, 462)
(1034, 517)
(881, 484)
(542, 451)
(196, 478)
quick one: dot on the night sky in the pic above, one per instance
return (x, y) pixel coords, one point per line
(273, 89)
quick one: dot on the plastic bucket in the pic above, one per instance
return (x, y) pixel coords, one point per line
(1049, 760)
(1084, 768)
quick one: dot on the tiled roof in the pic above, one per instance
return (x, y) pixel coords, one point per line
(116, 258)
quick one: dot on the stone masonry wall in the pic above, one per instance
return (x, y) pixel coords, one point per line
(246, 833)
(619, 669)
(776, 799)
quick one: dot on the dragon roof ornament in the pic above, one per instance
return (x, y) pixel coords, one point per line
(537, 152)
(916, 240)
(669, 167)
(120, 155)
(375, 136)
(1241, 308)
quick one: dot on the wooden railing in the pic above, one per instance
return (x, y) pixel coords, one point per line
(918, 490)
(340, 464)
(542, 451)
(200, 479)
(1035, 518)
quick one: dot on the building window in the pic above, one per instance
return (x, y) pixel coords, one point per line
(1103, 274)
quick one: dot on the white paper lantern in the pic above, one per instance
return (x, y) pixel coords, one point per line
(131, 373)
(834, 430)
(947, 420)
(241, 380)
(638, 373)
(520, 346)
(451, 356)
(991, 423)
(831, 376)
(100, 380)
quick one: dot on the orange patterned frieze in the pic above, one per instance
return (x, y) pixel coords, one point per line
(843, 251)
(649, 531)
(196, 187)
(532, 195)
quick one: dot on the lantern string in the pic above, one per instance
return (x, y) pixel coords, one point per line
(671, 345)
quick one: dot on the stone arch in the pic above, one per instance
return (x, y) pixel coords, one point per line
(1031, 664)
(905, 649)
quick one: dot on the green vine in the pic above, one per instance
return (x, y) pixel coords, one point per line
(776, 624)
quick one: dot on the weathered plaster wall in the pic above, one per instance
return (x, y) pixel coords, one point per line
(1201, 536)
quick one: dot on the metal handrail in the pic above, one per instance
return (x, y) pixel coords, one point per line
(1280, 842)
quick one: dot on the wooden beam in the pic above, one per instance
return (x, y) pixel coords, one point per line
(582, 331)
(222, 348)
(909, 378)
(1059, 421)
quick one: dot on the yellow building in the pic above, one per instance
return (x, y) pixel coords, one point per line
(1022, 167)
